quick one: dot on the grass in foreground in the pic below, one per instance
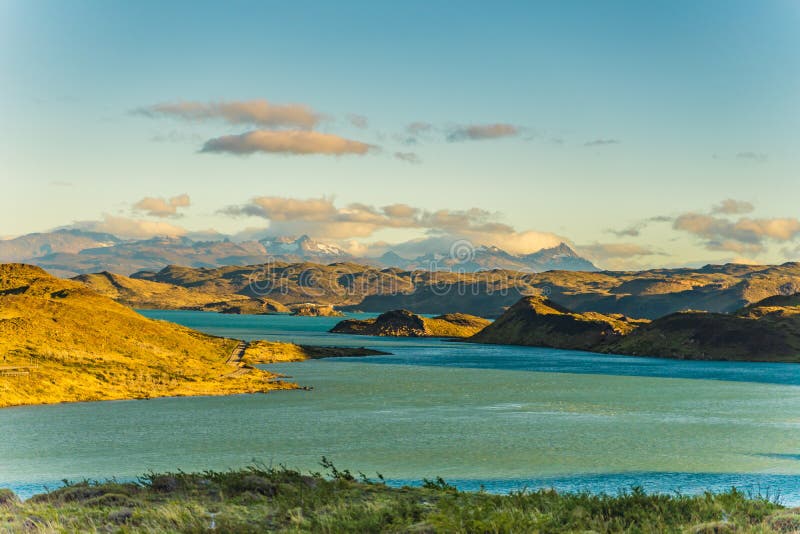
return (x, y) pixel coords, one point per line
(260, 499)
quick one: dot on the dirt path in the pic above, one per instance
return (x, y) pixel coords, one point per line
(235, 359)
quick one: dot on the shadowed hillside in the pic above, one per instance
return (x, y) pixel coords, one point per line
(766, 331)
(714, 336)
(61, 342)
(541, 322)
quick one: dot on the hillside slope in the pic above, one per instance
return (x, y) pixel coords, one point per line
(540, 322)
(62, 342)
(145, 294)
(767, 331)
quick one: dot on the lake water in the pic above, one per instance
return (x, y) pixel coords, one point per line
(501, 417)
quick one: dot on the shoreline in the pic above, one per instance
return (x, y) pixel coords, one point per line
(246, 362)
(339, 500)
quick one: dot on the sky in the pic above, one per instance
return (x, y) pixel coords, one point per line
(643, 134)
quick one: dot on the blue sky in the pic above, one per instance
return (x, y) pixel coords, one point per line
(618, 126)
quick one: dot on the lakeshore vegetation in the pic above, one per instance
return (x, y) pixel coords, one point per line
(264, 499)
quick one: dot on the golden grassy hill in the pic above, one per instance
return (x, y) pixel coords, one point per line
(540, 322)
(85, 346)
(143, 293)
(146, 294)
(403, 323)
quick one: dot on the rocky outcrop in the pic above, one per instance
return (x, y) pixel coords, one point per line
(540, 322)
(316, 310)
(403, 323)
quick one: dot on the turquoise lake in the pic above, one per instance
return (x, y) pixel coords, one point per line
(500, 417)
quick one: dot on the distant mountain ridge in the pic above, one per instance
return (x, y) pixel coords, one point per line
(41, 244)
(71, 252)
(487, 257)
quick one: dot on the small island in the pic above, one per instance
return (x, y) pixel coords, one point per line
(403, 323)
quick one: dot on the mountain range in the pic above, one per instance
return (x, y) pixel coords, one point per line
(69, 252)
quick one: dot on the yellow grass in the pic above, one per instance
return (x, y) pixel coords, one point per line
(80, 346)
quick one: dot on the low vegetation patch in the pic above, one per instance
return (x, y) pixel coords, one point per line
(264, 499)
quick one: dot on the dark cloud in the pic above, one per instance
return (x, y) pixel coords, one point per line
(635, 229)
(602, 142)
(758, 157)
(418, 127)
(359, 121)
(730, 206)
(410, 157)
(478, 132)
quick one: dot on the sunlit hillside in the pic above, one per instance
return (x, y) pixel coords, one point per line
(62, 342)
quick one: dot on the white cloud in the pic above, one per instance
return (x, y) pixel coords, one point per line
(742, 236)
(320, 217)
(253, 112)
(127, 228)
(160, 207)
(295, 142)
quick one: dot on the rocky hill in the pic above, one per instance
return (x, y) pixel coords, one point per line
(766, 331)
(773, 337)
(60, 342)
(315, 310)
(403, 323)
(541, 322)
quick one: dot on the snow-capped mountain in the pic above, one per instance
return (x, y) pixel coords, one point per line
(303, 248)
(71, 252)
(486, 257)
